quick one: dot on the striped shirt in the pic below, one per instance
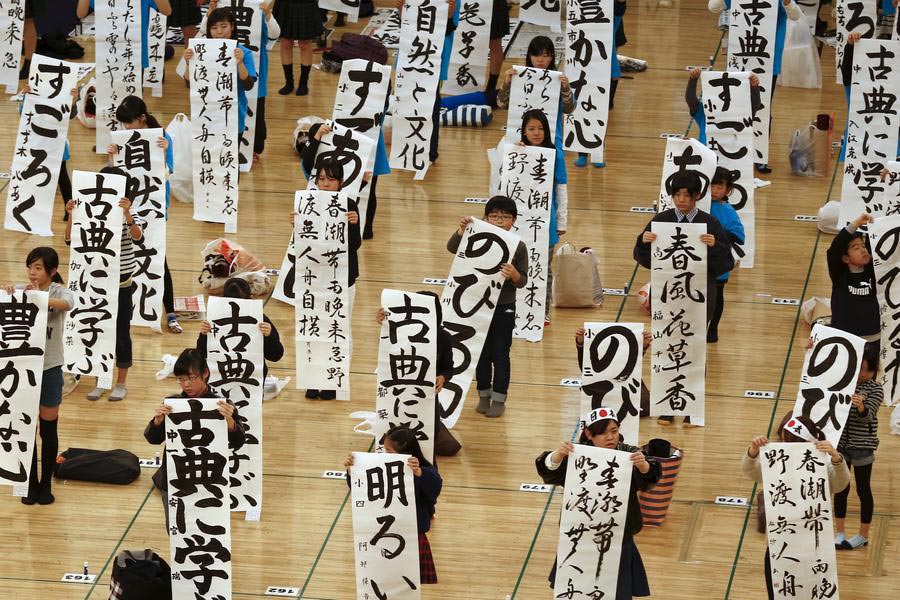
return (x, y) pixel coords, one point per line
(688, 216)
(127, 257)
(861, 429)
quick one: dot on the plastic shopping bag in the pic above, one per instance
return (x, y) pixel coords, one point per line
(182, 180)
(800, 64)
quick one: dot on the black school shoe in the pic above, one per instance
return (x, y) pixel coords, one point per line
(763, 168)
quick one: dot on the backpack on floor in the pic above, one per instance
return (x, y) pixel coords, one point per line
(140, 575)
(352, 45)
(102, 466)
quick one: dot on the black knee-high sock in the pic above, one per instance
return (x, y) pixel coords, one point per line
(33, 484)
(288, 79)
(492, 82)
(49, 449)
(65, 187)
(304, 75)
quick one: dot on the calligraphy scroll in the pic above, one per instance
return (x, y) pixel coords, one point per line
(350, 149)
(385, 533)
(23, 337)
(592, 523)
(156, 51)
(235, 356)
(89, 342)
(611, 369)
(40, 144)
(828, 379)
(248, 31)
(890, 200)
(361, 97)
(197, 485)
(752, 25)
(729, 119)
(54, 79)
(139, 154)
(799, 520)
(541, 12)
(527, 179)
(687, 155)
(871, 127)
(118, 31)
(422, 30)
(469, 54)
(884, 237)
(678, 288)
(322, 297)
(852, 16)
(407, 367)
(348, 7)
(12, 24)
(468, 303)
(214, 118)
(532, 89)
(589, 52)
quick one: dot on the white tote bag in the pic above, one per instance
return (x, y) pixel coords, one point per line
(182, 180)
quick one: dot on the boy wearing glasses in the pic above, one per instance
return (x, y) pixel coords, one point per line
(493, 369)
(192, 374)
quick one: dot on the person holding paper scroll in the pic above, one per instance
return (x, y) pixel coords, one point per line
(695, 106)
(161, 6)
(427, 483)
(493, 369)
(854, 305)
(601, 429)
(42, 265)
(859, 441)
(192, 374)
(795, 430)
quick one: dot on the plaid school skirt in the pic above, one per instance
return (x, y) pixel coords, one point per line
(184, 13)
(427, 574)
(298, 19)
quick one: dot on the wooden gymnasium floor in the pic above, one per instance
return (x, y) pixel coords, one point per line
(490, 540)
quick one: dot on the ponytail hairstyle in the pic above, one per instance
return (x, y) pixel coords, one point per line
(404, 440)
(217, 16)
(541, 45)
(236, 287)
(49, 258)
(133, 108)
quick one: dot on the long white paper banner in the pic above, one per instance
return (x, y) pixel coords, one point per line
(54, 79)
(884, 237)
(235, 356)
(469, 55)
(40, 144)
(828, 379)
(199, 519)
(678, 289)
(89, 345)
(407, 365)
(687, 155)
(360, 98)
(592, 522)
(348, 7)
(249, 33)
(726, 102)
(145, 162)
(118, 31)
(214, 118)
(422, 31)
(12, 24)
(352, 150)
(468, 303)
(871, 128)
(853, 16)
(541, 12)
(156, 50)
(611, 371)
(385, 535)
(589, 44)
(23, 336)
(799, 520)
(527, 179)
(321, 305)
(532, 89)
(752, 30)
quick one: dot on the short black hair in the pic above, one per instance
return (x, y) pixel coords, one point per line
(723, 175)
(870, 355)
(217, 16)
(541, 44)
(498, 203)
(332, 168)
(236, 287)
(685, 180)
(190, 361)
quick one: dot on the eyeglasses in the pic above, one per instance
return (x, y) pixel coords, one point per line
(182, 379)
(500, 218)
